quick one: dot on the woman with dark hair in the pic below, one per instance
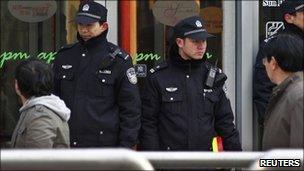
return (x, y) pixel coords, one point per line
(43, 119)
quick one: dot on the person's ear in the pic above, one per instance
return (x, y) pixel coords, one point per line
(289, 18)
(104, 26)
(273, 63)
(17, 88)
(179, 42)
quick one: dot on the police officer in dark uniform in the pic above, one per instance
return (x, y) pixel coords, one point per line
(182, 111)
(97, 81)
(292, 12)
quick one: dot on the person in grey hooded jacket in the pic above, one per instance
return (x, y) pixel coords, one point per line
(44, 116)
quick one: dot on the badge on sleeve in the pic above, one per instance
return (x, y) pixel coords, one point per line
(131, 75)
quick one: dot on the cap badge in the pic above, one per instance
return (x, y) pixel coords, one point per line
(86, 7)
(198, 23)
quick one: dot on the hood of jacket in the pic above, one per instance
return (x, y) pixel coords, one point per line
(52, 102)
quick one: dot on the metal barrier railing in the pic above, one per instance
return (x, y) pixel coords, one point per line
(122, 159)
(199, 160)
(73, 159)
(195, 160)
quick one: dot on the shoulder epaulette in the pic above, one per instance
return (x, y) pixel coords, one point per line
(159, 67)
(65, 47)
(116, 51)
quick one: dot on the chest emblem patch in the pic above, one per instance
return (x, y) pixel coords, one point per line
(105, 71)
(208, 90)
(171, 89)
(66, 66)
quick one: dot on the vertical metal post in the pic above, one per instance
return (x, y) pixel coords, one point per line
(246, 48)
(229, 53)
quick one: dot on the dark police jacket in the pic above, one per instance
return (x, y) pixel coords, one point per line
(262, 86)
(181, 113)
(97, 82)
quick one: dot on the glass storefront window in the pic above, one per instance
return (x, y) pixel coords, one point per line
(154, 28)
(270, 22)
(270, 19)
(36, 28)
(23, 36)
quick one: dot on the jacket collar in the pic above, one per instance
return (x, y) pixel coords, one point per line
(280, 89)
(292, 29)
(283, 86)
(177, 60)
(95, 41)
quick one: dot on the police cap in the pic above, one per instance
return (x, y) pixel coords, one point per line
(291, 6)
(191, 27)
(90, 12)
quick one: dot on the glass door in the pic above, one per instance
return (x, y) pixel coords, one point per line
(154, 29)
